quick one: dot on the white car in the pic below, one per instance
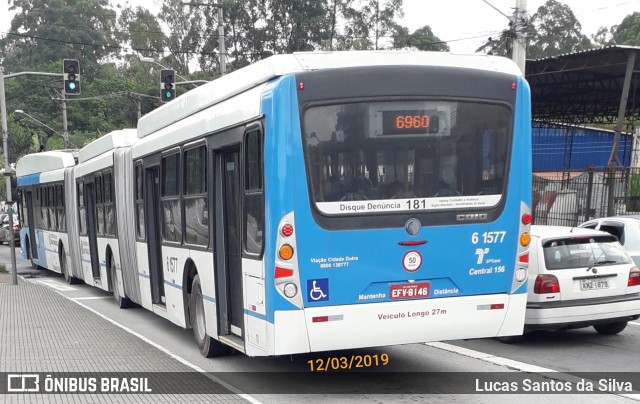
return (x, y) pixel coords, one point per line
(579, 278)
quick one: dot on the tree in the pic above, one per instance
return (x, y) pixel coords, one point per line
(421, 39)
(376, 20)
(45, 31)
(140, 30)
(185, 26)
(628, 32)
(554, 30)
(602, 37)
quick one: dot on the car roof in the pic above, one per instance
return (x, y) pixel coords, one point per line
(624, 218)
(547, 232)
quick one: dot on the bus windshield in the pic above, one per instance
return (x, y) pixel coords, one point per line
(422, 155)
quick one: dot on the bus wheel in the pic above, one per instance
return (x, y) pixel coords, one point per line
(121, 302)
(208, 346)
(29, 257)
(71, 280)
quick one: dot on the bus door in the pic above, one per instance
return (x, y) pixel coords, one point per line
(32, 225)
(229, 294)
(154, 241)
(90, 203)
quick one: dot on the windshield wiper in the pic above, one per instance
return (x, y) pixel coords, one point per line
(604, 262)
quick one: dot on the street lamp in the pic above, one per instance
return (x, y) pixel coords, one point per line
(19, 111)
(152, 60)
(145, 59)
(66, 140)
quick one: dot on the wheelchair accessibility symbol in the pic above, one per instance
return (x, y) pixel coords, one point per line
(317, 290)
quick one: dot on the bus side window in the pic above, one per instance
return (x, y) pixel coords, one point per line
(139, 203)
(171, 203)
(253, 193)
(196, 212)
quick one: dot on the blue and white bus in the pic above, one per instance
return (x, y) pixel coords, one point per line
(323, 201)
(40, 178)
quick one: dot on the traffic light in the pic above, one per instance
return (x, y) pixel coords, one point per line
(167, 85)
(71, 72)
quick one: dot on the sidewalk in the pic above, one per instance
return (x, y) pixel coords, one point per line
(45, 333)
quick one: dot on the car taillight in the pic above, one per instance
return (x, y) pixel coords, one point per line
(634, 277)
(546, 284)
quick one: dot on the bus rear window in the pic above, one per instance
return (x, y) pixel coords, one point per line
(407, 155)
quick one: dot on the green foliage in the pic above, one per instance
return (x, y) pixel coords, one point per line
(115, 84)
(555, 30)
(421, 39)
(628, 32)
(634, 185)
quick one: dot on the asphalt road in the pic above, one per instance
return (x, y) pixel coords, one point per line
(565, 352)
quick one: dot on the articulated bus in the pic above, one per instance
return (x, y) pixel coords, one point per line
(103, 200)
(323, 201)
(40, 178)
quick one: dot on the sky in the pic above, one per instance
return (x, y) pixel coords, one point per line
(464, 24)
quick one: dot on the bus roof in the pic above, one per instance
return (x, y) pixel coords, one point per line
(44, 162)
(279, 65)
(110, 141)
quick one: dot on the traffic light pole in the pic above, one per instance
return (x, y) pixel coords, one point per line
(7, 176)
(65, 132)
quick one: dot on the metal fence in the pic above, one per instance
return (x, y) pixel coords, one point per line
(569, 198)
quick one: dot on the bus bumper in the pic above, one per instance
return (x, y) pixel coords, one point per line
(396, 323)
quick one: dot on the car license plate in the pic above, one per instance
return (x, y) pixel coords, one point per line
(594, 284)
(410, 291)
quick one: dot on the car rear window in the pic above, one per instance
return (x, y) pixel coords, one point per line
(583, 251)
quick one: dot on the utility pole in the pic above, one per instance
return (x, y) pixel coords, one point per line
(519, 41)
(221, 49)
(7, 176)
(222, 53)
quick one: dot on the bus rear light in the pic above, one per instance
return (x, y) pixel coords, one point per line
(287, 230)
(546, 284)
(513, 86)
(290, 290)
(521, 274)
(283, 273)
(320, 319)
(525, 239)
(634, 277)
(301, 86)
(524, 258)
(286, 252)
(527, 219)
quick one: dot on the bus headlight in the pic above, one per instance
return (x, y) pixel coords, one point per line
(290, 290)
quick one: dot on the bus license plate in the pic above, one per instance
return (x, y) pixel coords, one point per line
(410, 291)
(594, 284)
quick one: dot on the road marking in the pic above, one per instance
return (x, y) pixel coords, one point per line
(516, 365)
(90, 298)
(56, 285)
(171, 354)
(632, 323)
(521, 366)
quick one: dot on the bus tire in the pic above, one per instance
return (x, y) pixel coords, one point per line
(71, 280)
(209, 347)
(29, 257)
(121, 302)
